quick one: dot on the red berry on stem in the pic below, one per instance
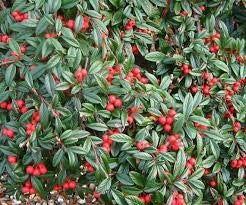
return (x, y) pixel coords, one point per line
(29, 169)
(110, 107)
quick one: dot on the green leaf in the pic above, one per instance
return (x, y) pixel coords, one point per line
(50, 84)
(179, 165)
(38, 186)
(221, 65)
(57, 157)
(178, 124)
(188, 105)
(199, 119)
(44, 114)
(155, 56)
(95, 67)
(121, 138)
(10, 74)
(14, 46)
(71, 157)
(78, 150)
(98, 126)
(105, 185)
(137, 178)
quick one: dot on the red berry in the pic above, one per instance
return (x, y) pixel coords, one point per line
(184, 13)
(10, 133)
(136, 71)
(169, 120)
(172, 113)
(130, 119)
(133, 110)
(72, 185)
(24, 109)
(15, 13)
(118, 103)
(213, 183)
(3, 105)
(20, 103)
(29, 169)
(66, 185)
(97, 195)
(25, 190)
(12, 159)
(43, 170)
(162, 148)
(167, 128)
(147, 198)
(70, 24)
(9, 107)
(162, 120)
(110, 107)
(84, 72)
(142, 198)
(203, 8)
(192, 161)
(32, 190)
(36, 172)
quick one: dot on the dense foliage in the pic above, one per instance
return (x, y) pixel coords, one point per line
(128, 101)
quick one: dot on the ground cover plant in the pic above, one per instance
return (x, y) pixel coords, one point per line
(125, 101)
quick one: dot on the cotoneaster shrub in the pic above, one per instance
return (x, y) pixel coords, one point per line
(128, 101)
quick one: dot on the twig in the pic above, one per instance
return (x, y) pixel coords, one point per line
(165, 11)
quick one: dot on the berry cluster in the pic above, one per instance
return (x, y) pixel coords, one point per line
(113, 102)
(8, 132)
(213, 48)
(178, 199)
(22, 106)
(37, 170)
(210, 81)
(186, 69)
(142, 145)
(107, 142)
(131, 114)
(135, 74)
(174, 142)
(167, 121)
(12, 159)
(80, 74)
(28, 188)
(239, 200)
(190, 164)
(71, 24)
(31, 126)
(229, 92)
(131, 23)
(145, 198)
(112, 72)
(69, 184)
(238, 163)
(89, 167)
(4, 38)
(6, 105)
(19, 16)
